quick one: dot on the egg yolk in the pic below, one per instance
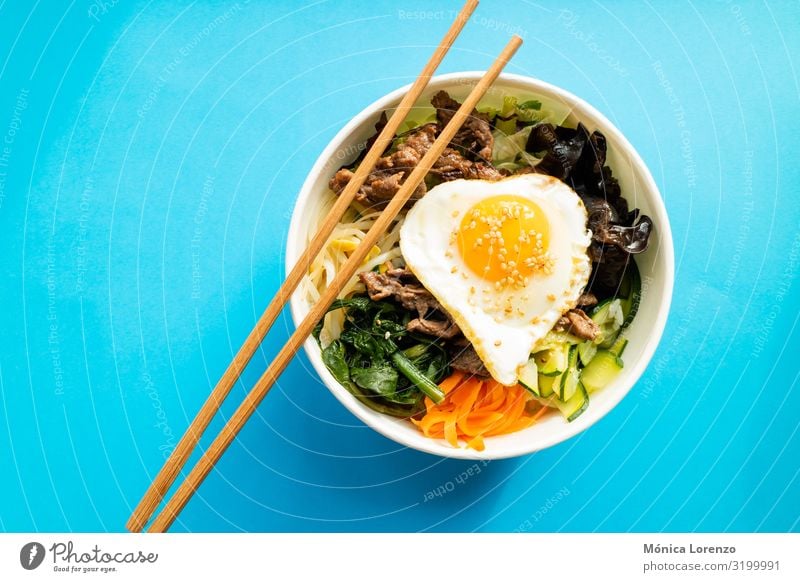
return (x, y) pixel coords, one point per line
(504, 240)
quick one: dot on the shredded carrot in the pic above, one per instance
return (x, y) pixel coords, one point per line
(475, 408)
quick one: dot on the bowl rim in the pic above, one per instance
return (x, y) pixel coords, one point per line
(666, 252)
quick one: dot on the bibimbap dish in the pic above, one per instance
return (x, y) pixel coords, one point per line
(503, 295)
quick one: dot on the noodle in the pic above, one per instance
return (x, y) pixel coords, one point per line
(346, 236)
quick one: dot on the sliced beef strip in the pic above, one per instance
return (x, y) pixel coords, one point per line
(579, 324)
(401, 285)
(464, 357)
(441, 328)
(475, 137)
(451, 165)
(378, 189)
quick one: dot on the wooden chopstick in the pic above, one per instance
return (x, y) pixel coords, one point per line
(203, 467)
(169, 472)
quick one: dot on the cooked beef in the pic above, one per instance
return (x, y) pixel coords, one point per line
(420, 140)
(390, 171)
(474, 139)
(403, 286)
(379, 286)
(384, 188)
(464, 357)
(587, 300)
(579, 324)
(469, 157)
(441, 328)
(451, 165)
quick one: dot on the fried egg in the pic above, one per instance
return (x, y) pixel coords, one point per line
(506, 259)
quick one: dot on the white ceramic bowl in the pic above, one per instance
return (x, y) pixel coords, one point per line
(656, 265)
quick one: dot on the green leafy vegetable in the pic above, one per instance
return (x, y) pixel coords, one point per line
(404, 404)
(380, 362)
(532, 104)
(334, 358)
(381, 379)
(419, 379)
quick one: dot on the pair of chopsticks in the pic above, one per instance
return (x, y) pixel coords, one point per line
(174, 464)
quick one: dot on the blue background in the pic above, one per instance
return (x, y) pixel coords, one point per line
(151, 155)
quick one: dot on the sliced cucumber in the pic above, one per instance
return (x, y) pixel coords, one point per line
(601, 370)
(571, 377)
(600, 311)
(586, 351)
(555, 339)
(529, 377)
(547, 385)
(631, 292)
(609, 316)
(575, 406)
(619, 346)
(554, 361)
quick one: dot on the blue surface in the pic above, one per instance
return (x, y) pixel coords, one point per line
(151, 156)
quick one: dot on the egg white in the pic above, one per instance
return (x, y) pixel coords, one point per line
(504, 342)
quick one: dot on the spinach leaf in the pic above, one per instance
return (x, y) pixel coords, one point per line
(360, 303)
(381, 379)
(334, 358)
(364, 342)
(367, 358)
